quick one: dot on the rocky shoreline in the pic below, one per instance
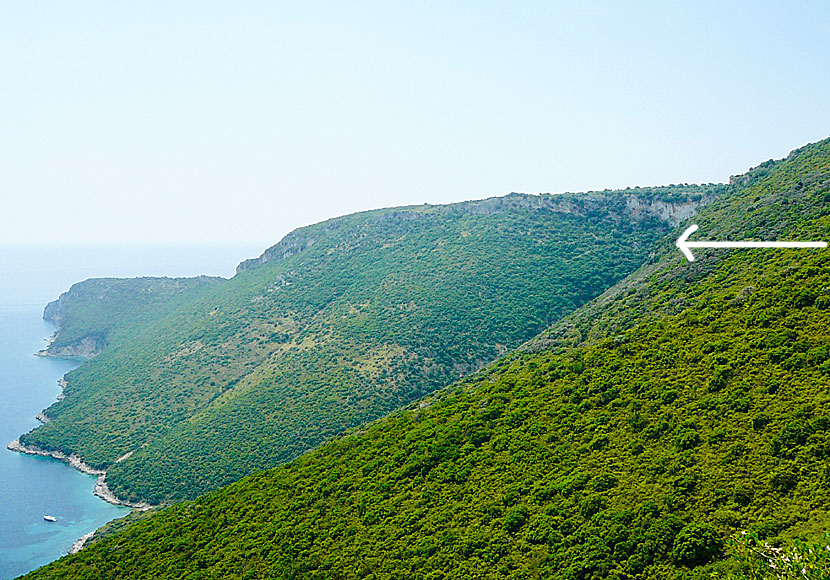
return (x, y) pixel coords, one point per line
(104, 492)
(80, 543)
(83, 349)
(74, 460)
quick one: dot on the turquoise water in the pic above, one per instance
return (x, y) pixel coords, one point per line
(30, 486)
(33, 486)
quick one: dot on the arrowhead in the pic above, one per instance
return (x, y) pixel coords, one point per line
(681, 242)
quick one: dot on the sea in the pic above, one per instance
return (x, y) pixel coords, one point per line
(30, 486)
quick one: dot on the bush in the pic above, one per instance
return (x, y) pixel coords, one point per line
(718, 379)
(516, 518)
(742, 494)
(687, 439)
(784, 479)
(696, 544)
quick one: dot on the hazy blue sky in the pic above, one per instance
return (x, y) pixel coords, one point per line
(238, 121)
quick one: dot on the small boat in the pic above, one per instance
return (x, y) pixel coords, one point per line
(50, 518)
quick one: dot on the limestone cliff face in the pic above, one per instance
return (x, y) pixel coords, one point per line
(291, 244)
(639, 204)
(85, 348)
(672, 213)
(629, 203)
(55, 311)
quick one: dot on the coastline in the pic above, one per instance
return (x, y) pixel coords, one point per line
(101, 490)
(80, 543)
(74, 460)
(83, 350)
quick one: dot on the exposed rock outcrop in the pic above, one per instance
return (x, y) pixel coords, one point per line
(635, 203)
(81, 542)
(85, 348)
(72, 459)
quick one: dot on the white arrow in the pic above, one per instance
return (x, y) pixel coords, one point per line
(684, 245)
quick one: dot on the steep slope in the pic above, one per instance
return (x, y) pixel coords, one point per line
(91, 314)
(610, 447)
(341, 323)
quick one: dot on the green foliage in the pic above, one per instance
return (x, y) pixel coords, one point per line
(565, 459)
(339, 324)
(93, 312)
(696, 544)
(757, 560)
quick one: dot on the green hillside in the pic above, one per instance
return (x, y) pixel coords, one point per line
(92, 313)
(341, 323)
(690, 402)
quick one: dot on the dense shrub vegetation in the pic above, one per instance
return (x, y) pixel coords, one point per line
(610, 447)
(95, 312)
(344, 322)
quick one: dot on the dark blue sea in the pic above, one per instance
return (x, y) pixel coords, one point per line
(31, 487)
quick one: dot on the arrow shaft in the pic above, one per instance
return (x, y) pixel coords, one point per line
(685, 246)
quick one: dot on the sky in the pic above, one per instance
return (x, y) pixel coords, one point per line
(200, 122)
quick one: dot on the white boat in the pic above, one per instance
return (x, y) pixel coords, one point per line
(50, 518)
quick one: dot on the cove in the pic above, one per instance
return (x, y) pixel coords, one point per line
(31, 487)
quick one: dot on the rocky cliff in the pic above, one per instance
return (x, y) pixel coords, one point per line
(637, 203)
